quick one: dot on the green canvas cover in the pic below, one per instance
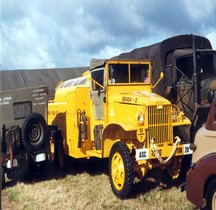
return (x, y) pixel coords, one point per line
(16, 104)
(14, 79)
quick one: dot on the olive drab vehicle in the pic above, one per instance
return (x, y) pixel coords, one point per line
(111, 112)
(24, 133)
(189, 66)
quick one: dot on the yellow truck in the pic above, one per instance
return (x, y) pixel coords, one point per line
(111, 112)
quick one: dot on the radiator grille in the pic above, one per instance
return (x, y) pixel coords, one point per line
(160, 124)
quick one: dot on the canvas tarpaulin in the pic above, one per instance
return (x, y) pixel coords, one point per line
(14, 79)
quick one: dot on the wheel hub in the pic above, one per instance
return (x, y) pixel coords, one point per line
(118, 172)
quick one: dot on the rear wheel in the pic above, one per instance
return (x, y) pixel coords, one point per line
(211, 196)
(60, 154)
(58, 148)
(121, 170)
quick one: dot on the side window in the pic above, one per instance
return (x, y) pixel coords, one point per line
(98, 79)
(22, 109)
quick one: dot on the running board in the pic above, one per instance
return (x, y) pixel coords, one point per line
(94, 153)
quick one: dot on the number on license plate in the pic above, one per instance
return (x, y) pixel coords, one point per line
(142, 154)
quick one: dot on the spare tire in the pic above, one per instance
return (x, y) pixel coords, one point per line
(34, 133)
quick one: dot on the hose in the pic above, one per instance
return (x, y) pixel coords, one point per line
(157, 154)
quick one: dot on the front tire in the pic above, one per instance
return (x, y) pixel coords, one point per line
(121, 172)
(211, 196)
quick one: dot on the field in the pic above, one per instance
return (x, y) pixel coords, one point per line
(86, 186)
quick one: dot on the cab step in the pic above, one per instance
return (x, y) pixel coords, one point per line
(94, 153)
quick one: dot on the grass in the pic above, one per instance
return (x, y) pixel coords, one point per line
(87, 186)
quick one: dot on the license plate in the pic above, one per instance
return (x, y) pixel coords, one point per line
(142, 154)
(187, 150)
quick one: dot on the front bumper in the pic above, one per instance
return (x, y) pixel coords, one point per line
(164, 152)
(15, 162)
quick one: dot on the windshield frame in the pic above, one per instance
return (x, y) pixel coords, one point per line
(123, 71)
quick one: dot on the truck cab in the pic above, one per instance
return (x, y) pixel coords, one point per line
(112, 112)
(23, 130)
(193, 79)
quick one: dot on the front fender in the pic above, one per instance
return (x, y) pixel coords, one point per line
(115, 132)
(124, 126)
(197, 177)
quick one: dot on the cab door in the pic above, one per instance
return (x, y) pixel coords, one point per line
(97, 92)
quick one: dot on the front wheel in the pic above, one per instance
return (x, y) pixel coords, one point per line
(211, 196)
(121, 172)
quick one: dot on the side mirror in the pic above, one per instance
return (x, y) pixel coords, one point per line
(161, 75)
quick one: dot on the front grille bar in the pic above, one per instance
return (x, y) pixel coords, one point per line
(160, 124)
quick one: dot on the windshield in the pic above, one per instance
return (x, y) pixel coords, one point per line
(129, 73)
(206, 65)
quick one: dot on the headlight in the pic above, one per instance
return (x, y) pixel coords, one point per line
(174, 114)
(140, 119)
(210, 95)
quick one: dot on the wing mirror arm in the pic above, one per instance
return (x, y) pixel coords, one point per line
(161, 77)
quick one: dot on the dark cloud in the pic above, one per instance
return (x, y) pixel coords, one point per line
(44, 34)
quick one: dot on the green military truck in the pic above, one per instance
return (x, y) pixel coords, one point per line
(24, 133)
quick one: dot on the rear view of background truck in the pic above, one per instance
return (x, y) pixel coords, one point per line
(24, 133)
(111, 112)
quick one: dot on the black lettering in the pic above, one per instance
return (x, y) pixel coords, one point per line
(126, 99)
(187, 149)
(142, 154)
(159, 151)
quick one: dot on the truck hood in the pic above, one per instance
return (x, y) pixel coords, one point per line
(141, 98)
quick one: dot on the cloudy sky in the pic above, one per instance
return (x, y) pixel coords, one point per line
(68, 33)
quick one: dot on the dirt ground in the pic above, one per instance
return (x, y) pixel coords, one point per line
(7, 204)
